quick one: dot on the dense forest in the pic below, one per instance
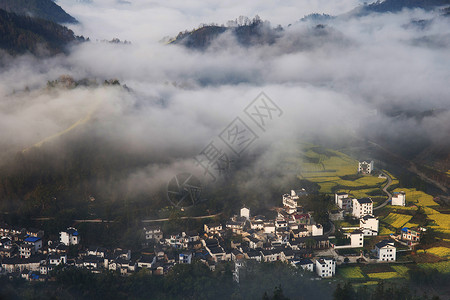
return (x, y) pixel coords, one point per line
(21, 34)
(43, 9)
(197, 281)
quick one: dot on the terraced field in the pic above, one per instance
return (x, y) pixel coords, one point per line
(401, 270)
(441, 221)
(416, 197)
(385, 231)
(443, 267)
(350, 272)
(327, 168)
(383, 275)
(397, 220)
(440, 251)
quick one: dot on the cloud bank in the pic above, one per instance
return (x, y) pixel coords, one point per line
(345, 79)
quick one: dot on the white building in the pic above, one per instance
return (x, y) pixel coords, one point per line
(306, 264)
(245, 212)
(325, 267)
(399, 198)
(153, 233)
(69, 237)
(344, 203)
(369, 225)
(26, 250)
(386, 250)
(185, 258)
(338, 196)
(212, 228)
(35, 242)
(362, 207)
(357, 238)
(290, 202)
(317, 230)
(269, 227)
(365, 167)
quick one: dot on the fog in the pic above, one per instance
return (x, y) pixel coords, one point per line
(334, 83)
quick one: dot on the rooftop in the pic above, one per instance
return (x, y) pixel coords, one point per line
(364, 200)
(32, 239)
(384, 243)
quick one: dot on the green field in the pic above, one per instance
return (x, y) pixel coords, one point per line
(350, 272)
(383, 275)
(443, 267)
(401, 270)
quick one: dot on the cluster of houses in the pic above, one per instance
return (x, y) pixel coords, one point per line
(292, 236)
(361, 209)
(23, 252)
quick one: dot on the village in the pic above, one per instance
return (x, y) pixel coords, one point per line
(292, 237)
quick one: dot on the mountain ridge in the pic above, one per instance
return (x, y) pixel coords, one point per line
(21, 34)
(44, 9)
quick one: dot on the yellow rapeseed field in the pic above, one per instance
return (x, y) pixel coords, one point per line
(397, 220)
(383, 275)
(439, 251)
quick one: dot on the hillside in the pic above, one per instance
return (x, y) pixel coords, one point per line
(44, 9)
(398, 5)
(21, 34)
(250, 33)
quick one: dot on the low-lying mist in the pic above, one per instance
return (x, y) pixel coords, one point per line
(352, 77)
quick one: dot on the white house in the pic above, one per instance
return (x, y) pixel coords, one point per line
(317, 230)
(185, 258)
(153, 233)
(340, 195)
(245, 212)
(369, 225)
(357, 238)
(56, 259)
(26, 250)
(386, 250)
(325, 267)
(69, 237)
(269, 227)
(399, 198)
(290, 202)
(257, 225)
(306, 264)
(365, 167)
(36, 242)
(362, 207)
(146, 261)
(345, 203)
(213, 228)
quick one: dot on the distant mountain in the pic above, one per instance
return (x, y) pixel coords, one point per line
(255, 32)
(44, 9)
(20, 34)
(398, 5)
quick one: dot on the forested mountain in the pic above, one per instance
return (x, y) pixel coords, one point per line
(44, 9)
(246, 32)
(20, 34)
(398, 5)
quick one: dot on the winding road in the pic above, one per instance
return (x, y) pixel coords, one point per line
(388, 184)
(182, 218)
(143, 221)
